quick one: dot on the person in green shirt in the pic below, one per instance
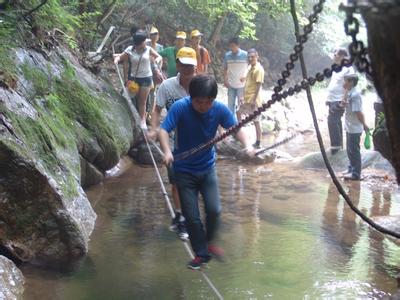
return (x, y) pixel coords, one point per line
(170, 53)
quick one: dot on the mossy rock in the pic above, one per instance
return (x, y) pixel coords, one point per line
(60, 116)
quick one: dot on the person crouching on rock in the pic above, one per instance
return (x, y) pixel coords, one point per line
(196, 119)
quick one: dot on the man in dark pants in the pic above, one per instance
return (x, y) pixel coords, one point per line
(196, 119)
(334, 97)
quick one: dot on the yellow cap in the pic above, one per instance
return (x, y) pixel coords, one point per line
(195, 33)
(187, 56)
(153, 30)
(181, 35)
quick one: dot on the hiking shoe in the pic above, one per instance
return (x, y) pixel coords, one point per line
(216, 252)
(174, 222)
(344, 173)
(351, 177)
(181, 231)
(197, 263)
(257, 145)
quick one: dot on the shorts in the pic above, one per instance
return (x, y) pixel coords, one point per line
(171, 175)
(144, 81)
(247, 109)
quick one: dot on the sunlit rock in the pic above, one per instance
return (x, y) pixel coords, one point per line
(340, 162)
(11, 280)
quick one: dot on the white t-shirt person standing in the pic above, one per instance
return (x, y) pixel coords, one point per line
(335, 94)
(235, 68)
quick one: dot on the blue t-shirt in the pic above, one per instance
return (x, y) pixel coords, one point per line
(194, 128)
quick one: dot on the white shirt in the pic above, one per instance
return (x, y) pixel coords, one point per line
(144, 69)
(335, 87)
(169, 91)
(236, 65)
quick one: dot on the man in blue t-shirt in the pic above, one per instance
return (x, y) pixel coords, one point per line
(196, 119)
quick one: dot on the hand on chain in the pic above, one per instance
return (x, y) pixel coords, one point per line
(250, 151)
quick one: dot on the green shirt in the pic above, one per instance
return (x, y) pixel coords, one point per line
(170, 54)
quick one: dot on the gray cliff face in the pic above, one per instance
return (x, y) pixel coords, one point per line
(11, 280)
(60, 129)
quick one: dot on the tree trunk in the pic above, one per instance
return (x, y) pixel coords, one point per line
(82, 7)
(216, 35)
(384, 49)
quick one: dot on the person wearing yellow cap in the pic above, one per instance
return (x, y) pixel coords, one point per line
(203, 58)
(156, 69)
(170, 53)
(154, 37)
(169, 91)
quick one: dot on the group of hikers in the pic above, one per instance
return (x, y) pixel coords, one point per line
(193, 118)
(344, 98)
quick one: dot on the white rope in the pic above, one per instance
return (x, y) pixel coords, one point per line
(168, 201)
(163, 190)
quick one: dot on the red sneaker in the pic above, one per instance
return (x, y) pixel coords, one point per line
(216, 252)
(197, 262)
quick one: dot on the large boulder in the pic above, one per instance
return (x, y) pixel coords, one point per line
(340, 162)
(383, 27)
(230, 148)
(11, 280)
(61, 128)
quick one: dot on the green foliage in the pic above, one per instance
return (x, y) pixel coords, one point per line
(380, 125)
(55, 14)
(7, 31)
(245, 11)
(40, 80)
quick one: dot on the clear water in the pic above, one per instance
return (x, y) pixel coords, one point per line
(286, 234)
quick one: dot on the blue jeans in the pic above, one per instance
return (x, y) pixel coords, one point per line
(189, 186)
(353, 153)
(234, 94)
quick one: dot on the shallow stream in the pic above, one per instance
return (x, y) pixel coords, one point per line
(286, 233)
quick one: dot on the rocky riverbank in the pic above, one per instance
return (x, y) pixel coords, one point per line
(61, 129)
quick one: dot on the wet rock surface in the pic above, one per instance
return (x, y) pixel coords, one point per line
(11, 280)
(232, 149)
(339, 161)
(61, 129)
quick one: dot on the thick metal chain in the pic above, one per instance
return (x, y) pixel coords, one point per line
(358, 52)
(277, 96)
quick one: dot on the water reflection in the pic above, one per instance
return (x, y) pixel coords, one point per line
(285, 236)
(366, 250)
(340, 224)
